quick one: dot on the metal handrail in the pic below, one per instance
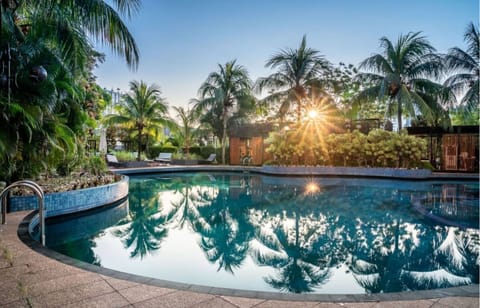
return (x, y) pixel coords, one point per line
(41, 208)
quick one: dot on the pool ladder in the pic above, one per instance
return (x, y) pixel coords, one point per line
(41, 208)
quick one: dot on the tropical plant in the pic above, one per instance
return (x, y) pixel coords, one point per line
(399, 76)
(298, 77)
(141, 110)
(47, 59)
(186, 130)
(379, 148)
(228, 87)
(466, 67)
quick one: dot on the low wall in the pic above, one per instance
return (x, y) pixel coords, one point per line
(349, 171)
(74, 200)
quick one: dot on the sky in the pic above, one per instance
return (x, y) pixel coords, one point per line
(182, 41)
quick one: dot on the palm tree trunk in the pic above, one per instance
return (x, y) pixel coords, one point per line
(399, 115)
(299, 111)
(224, 134)
(139, 144)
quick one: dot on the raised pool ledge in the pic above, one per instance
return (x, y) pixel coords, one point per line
(74, 200)
(419, 174)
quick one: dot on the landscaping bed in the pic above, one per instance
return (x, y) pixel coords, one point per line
(74, 181)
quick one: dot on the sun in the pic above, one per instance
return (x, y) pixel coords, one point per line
(313, 114)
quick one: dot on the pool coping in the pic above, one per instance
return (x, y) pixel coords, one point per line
(385, 173)
(24, 235)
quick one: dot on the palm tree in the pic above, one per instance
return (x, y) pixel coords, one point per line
(299, 73)
(140, 110)
(224, 89)
(46, 47)
(466, 65)
(64, 21)
(185, 131)
(400, 75)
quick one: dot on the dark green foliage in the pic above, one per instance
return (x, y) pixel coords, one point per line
(194, 150)
(206, 151)
(46, 46)
(154, 150)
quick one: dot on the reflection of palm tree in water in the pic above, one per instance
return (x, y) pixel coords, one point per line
(300, 266)
(185, 210)
(399, 256)
(378, 260)
(302, 263)
(145, 228)
(225, 230)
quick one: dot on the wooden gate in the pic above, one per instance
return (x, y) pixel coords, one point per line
(467, 152)
(450, 152)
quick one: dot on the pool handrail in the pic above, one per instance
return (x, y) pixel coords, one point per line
(41, 208)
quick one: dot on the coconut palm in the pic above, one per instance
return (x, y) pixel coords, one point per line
(226, 88)
(185, 130)
(399, 75)
(140, 110)
(299, 73)
(466, 66)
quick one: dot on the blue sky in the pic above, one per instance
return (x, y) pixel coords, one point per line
(182, 41)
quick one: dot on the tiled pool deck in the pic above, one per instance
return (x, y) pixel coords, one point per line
(31, 276)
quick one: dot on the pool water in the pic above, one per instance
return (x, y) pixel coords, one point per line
(284, 234)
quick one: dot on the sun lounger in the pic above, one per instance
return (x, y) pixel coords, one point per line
(164, 157)
(210, 160)
(112, 161)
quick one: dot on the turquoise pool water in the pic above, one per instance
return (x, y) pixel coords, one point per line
(284, 234)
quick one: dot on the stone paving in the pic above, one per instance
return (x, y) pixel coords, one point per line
(28, 278)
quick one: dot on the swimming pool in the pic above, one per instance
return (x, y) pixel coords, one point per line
(284, 234)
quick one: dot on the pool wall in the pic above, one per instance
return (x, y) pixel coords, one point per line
(350, 171)
(395, 173)
(74, 200)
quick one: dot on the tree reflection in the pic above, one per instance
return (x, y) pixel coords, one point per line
(194, 191)
(224, 228)
(291, 234)
(144, 229)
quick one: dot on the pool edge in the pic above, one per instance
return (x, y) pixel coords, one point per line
(462, 291)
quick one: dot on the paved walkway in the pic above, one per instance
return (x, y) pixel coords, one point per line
(31, 279)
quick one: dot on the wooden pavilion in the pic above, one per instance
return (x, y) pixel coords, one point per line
(247, 144)
(452, 149)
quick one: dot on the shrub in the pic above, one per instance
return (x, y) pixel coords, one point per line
(154, 150)
(379, 148)
(206, 151)
(95, 165)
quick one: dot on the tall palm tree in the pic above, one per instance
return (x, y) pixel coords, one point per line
(299, 73)
(466, 66)
(230, 86)
(400, 75)
(185, 130)
(140, 110)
